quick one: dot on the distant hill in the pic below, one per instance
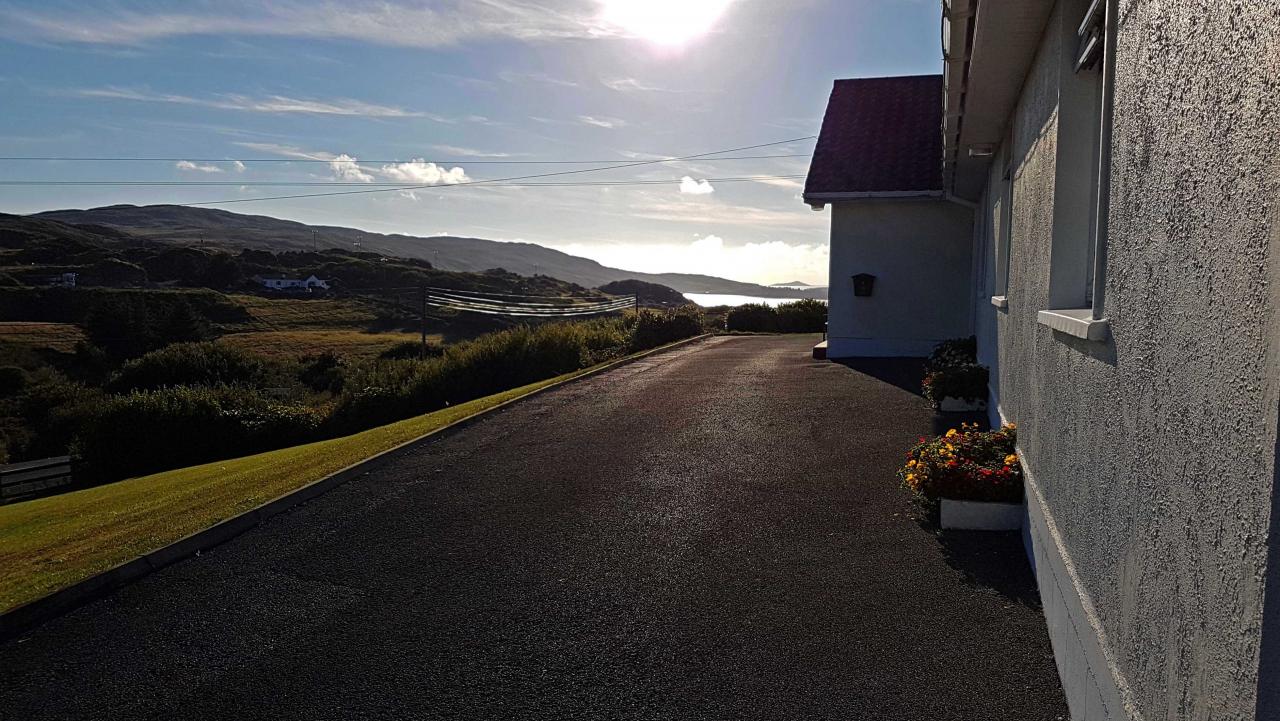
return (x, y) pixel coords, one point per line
(795, 284)
(34, 250)
(650, 294)
(192, 226)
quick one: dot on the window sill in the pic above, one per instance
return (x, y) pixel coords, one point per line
(1000, 301)
(1078, 322)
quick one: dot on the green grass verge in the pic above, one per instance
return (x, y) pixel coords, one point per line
(50, 543)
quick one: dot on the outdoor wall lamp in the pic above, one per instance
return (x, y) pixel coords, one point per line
(862, 284)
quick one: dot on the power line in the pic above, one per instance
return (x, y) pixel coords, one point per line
(467, 161)
(500, 180)
(340, 184)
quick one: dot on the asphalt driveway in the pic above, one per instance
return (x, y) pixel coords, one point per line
(711, 533)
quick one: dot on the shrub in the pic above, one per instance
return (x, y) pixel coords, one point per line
(965, 465)
(13, 380)
(127, 325)
(323, 372)
(802, 316)
(953, 352)
(752, 318)
(386, 390)
(187, 364)
(967, 382)
(650, 328)
(148, 431)
(411, 349)
(49, 413)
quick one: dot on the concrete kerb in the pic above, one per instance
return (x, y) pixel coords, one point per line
(28, 616)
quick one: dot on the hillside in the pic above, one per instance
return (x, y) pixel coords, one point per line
(650, 294)
(185, 225)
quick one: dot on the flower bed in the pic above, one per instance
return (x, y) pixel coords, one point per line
(965, 465)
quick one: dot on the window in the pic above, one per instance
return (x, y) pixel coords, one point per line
(1091, 41)
(1083, 160)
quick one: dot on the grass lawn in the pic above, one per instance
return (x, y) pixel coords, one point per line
(50, 543)
(292, 343)
(53, 336)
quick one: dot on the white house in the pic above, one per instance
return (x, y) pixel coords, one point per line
(306, 284)
(1090, 187)
(61, 280)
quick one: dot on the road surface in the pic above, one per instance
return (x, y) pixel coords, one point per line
(712, 533)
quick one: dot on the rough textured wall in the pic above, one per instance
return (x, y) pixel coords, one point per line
(1156, 448)
(919, 252)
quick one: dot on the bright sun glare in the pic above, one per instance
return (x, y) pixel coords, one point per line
(665, 22)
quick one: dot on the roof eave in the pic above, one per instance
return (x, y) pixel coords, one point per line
(818, 200)
(988, 57)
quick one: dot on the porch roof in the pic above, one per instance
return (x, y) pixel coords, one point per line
(881, 137)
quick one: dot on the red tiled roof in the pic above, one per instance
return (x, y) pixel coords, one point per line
(880, 135)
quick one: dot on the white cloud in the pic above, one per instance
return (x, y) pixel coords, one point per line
(346, 168)
(629, 85)
(515, 78)
(286, 151)
(689, 186)
(792, 216)
(188, 165)
(764, 262)
(469, 152)
(601, 122)
(381, 22)
(420, 172)
(274, 104)
(788, 183)
(239, 166)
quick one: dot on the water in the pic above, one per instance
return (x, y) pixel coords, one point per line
(707, 300)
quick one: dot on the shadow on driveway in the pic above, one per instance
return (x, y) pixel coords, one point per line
(992, 559)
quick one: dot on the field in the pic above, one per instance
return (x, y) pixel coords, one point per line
(60, 337)
(285, 344)
(289, 313)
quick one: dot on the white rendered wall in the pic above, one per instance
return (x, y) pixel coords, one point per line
(919, 252)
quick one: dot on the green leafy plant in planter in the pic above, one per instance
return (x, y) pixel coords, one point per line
(965, 465)
(964, 382)
(953, 352)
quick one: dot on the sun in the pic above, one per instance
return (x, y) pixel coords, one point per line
(664, 22)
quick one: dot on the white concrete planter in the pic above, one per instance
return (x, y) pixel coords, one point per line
(961, 405)
(981, 516)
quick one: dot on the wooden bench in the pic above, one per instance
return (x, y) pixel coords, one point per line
(30, 478)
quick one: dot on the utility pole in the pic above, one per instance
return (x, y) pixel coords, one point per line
(635, 304)
(313, 240)
(422, 292)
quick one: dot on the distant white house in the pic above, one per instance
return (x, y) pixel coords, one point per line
(61, 280)
(306, 284)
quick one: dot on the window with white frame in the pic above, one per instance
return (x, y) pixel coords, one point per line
(1090, 47)
(1083, 115)
(1083, 160)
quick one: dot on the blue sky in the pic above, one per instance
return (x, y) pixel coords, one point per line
(477, 83)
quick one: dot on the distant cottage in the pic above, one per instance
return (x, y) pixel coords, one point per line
(61, 280)
(307, 284)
